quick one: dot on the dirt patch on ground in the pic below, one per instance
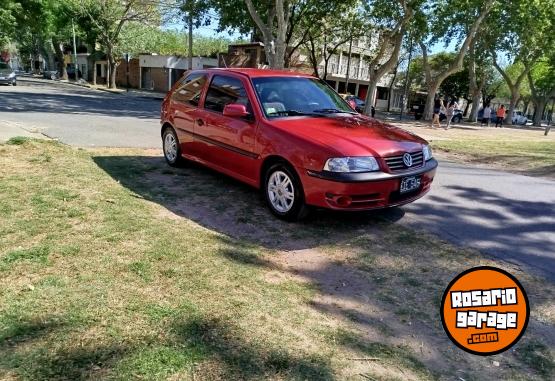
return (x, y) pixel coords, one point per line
(377, 283)
(349, 295)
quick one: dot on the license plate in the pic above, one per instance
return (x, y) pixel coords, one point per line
(409, 184)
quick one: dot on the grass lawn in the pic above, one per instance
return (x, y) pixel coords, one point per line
(115, 266)
(518, 150)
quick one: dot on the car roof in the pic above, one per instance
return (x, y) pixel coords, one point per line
(254, 73)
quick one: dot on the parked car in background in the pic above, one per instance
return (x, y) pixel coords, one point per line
(519, 118)
(457, 116)
(418, 110)
(50, 74)
(294, 138)
(7, 75)
(359, 103)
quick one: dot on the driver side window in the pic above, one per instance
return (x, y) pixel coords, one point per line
(225, 90)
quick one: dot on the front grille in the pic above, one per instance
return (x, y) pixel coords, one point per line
(396, 164)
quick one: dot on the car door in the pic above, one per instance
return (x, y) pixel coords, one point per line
(227, 142)
(185, 109)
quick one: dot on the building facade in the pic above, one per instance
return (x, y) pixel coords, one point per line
(159, 73)
(362, 51)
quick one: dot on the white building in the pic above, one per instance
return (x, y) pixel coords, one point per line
(363, 51)
(160, 72)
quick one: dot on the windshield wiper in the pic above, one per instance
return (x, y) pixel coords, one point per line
(333, 111)
(291, 113)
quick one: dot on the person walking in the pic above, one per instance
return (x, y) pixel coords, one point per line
(501, 113)
(438, 105)
(486, 117)
(450, 112)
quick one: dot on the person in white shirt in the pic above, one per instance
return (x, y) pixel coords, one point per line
(486, 118)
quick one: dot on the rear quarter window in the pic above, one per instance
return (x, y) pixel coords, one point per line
(190, 89)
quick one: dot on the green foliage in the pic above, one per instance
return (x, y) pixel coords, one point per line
(138, 38)
(8, 9)
(438, 63)
(456, 85)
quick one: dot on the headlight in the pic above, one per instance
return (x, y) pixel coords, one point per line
(427, 151)
(352, 164)
(12, 75)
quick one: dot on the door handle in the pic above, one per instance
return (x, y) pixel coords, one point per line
(200, 122)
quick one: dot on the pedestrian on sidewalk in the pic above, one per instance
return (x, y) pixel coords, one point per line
(501, 113)
(450, 112)
(486, 117)
(438, 106)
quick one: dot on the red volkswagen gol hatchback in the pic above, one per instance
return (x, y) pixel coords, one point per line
(295, 138)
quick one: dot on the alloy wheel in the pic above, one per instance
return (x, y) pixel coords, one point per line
(170, 147)
(281, 191)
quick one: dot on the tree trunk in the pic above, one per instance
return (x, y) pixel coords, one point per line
(432, 90)
(475, 107)
(113, 67)
(527, 107)
(390, 94)
(279, 58)
(371, 95)
(538, 115)
(62, 71)
(515, 96)
(473, 88)
(94, 73)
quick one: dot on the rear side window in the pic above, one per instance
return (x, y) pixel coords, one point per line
(190, 89)
(225, 90)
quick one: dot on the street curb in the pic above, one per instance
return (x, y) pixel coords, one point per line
(111, 91)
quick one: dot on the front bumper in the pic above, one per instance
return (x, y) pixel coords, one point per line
(364, 191)
(7, 81)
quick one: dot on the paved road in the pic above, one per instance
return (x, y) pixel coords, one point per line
(506, 215)
(80, 116)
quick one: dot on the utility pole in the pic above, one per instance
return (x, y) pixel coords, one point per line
(190, 18)
(348, 66)
(405, 91)
(74, 52)
(127, 59)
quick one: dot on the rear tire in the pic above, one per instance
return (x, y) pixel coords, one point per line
(283, 193)
(171, 148)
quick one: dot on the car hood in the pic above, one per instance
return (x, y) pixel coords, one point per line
(353, 135)
(5, 72)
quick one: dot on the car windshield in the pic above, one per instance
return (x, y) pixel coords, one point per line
(294, 96)
(4, 66)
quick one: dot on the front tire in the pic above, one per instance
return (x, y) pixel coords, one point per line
(171, 148)
(283, 193)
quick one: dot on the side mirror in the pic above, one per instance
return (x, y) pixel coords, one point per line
(235, 110)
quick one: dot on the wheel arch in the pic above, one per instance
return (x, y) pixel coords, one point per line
(164, 126)
(271, 160)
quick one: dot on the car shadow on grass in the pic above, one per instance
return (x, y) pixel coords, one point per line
(389, 290)
(230, 207)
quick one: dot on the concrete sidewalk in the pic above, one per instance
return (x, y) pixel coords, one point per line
(139, 93)
(10, 130)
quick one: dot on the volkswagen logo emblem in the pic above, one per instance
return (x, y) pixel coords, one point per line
(407, 159)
